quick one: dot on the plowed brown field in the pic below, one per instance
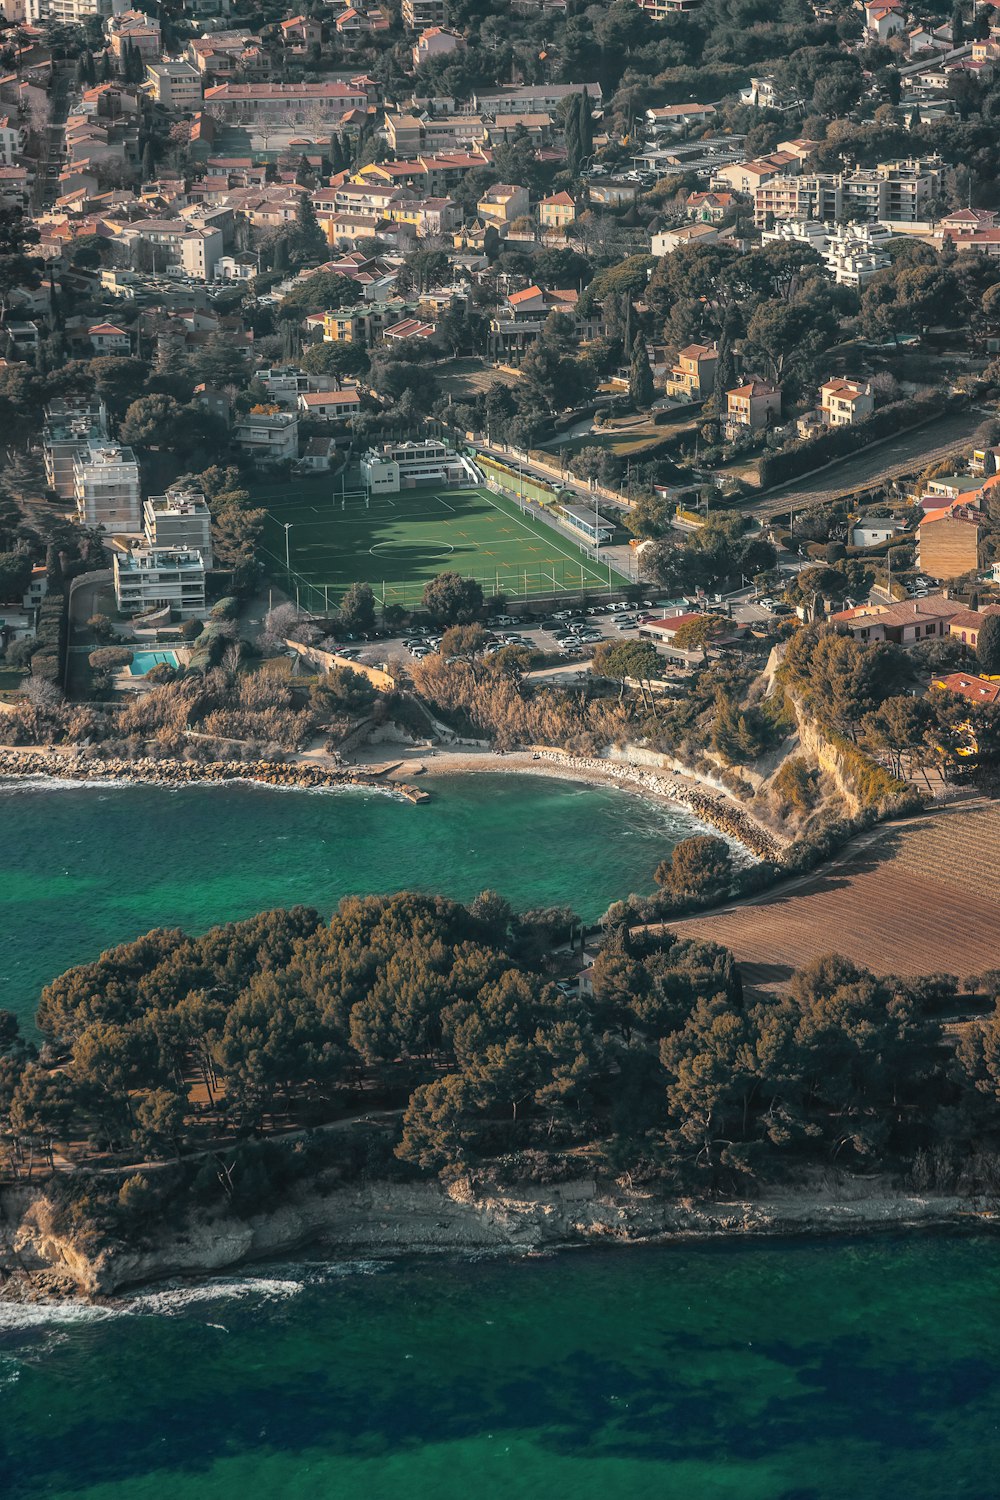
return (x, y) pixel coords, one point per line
(918, 898)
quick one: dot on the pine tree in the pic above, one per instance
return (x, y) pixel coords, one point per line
(640, 382)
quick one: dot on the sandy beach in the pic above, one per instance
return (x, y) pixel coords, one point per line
(715, 809)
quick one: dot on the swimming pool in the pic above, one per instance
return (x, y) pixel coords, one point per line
(144, 661)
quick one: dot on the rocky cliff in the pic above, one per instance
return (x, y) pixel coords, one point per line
(391, 1218)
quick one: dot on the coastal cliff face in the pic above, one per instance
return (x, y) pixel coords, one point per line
(428, 1218)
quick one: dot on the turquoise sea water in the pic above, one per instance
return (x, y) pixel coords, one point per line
(83, 868)
(836, 1370)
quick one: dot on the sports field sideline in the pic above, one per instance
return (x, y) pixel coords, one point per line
(397, 542)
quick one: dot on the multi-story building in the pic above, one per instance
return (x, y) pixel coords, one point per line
(154, 578)
(518, 324)
(844, 403)
(106, 488)
(321, 105)
(268, 437)
(949, 541)
(895, 192)
(401, 466)
(70, 12)
(132, 28)
(179, 521)
(693, 376)
(755, 405)
(419, 14)
(557, 211)
(175, 85)
(532, 98)
(11, 140)
(72, 424)
(503, 203)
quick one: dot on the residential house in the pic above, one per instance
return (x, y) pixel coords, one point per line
(683, 238)
(108, 338)
(518, 324)
(504, 203)
(755, 405)
(843, 403)
(967, 685)
(436, 41)
(872, 532)
(966, 625)
(612, 192)
(330, 406)
(557, 211)
(268, 437)
(764, 93)
(905, 624)
(672, 118)
(884, 18)
(133, 28)
(711, 208)
(692, 378)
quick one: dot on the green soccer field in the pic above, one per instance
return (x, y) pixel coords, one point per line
(398, 542)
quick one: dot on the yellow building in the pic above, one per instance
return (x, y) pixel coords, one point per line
(557, 212)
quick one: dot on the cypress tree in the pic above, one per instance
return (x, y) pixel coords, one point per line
(725, 368)
(640, 382)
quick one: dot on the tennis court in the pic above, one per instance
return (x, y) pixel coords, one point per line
(398, 542)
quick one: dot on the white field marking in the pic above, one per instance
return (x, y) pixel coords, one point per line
(566, 556)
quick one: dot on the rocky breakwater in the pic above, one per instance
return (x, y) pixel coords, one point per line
(172, 773)
(718, 811)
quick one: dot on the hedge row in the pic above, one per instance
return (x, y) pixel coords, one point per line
(840, 442)
(48, 660)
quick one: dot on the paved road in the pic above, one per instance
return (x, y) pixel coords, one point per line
(903, 455)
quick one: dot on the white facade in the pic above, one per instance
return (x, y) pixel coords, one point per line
(401, 466)
(71, 12)
(180, 521)
(175, 85)
(106, 488)
(269, 437)
(152, 578)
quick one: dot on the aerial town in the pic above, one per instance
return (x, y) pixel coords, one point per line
(567, 438)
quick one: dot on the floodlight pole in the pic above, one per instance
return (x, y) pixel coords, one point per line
(288, 526)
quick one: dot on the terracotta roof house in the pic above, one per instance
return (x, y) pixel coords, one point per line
(976, 689)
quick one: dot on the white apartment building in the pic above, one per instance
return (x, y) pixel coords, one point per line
(154, 578)
(269, 437)
(71, 425)
(175, 85)
(852, 253)
(106, 488)
(11, 140)
(401, 466)
(70, 12)
(179, 521)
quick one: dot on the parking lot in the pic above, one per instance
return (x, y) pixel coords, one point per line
(566, 634)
